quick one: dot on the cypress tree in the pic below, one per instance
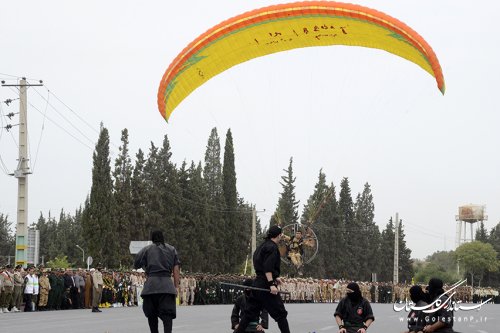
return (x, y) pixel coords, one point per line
(138, 229)
(185, 229)
(234, 244)
(405, 262)
(53, 238)
(369, 234)
(287, 210)
(97, 224)
(482, 233)
(42, 226)
(387, 255)
(212, 174)
(334, 243)
(123, 199)
(194, 215)
(204, 236)
(171, 221)
(154, 201)
(351, 231)
(314, 218)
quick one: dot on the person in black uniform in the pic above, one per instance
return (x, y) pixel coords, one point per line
(441, 319)
(239, 307)
(266, 262)
(160, 261)
(354, 313)
(416, 318)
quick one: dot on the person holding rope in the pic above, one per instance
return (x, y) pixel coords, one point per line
(266, 262)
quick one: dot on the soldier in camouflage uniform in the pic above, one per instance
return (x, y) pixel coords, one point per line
(44, 283)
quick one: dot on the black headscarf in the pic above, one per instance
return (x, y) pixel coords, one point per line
(248, 283)
(435, 288)
(157, 237)
(354, 296)
(417, 294)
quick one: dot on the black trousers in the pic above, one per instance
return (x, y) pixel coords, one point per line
(259, 300)
(75, 297)
(162, 306)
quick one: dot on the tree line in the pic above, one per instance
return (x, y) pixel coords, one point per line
(198, 207)
(351, 244)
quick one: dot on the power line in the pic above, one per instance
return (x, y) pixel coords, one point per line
(64, 117)
(4, 167)
(41, 133)
(76, 114)
(62, 128)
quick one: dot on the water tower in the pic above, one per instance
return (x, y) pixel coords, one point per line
(468, 214)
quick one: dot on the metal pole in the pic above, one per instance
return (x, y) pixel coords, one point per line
(395, 278)
(254, 235)
(83, 253)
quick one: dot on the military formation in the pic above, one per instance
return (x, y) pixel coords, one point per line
(51, 290)
(200, 289)
(42, 289)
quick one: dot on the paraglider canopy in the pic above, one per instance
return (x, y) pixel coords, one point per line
(285, 27)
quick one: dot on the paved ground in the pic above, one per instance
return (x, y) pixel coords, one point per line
(303, 318)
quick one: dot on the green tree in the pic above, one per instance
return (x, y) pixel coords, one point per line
(433, 270)
(138, 185)
(43, 228)
(387, 255)
(237, 224)
(212, 171)
(59, 262)
(405, 261)
(124, 212)
(386, 252)
(445, 260)
(351, 229)
(98, 228)
(370, 233)
(441, 264)
(482, 233)
(171, 197)
(153, 203)
(287, 209)
(494, 238)
(212, 175)
(320, 212)
(194, 214)
(7, 240)
(477, 258)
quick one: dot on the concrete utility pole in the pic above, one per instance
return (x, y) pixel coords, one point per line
(395, 277)
(21, 173)
(254, 236)
(254, 229)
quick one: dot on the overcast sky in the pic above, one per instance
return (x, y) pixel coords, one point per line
(359, 113)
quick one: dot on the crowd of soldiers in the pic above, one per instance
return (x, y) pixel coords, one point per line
(42, 289)
(198, 289)
(55, 289)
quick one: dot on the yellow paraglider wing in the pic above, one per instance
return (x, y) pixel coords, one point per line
(284, 27)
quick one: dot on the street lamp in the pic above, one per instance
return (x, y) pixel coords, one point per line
(83, 253)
